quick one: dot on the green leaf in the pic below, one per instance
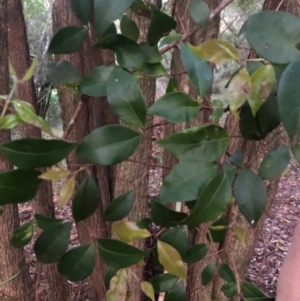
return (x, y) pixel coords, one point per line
(151, 53)
(230, 170)
(213, 200)
(275, 162)
(172, 37)
(128, 231)
(262, 82)
(163, 282)
(94, 84)
(108, 145)
(296, 152)
(199, 72)
(78, 263)
(195, 253)
(18, 186)
(171, 260)
(107, 11)
(10, 121)
(125, 98)
(110, 273)
(144, 223)
(86, 200)
(252, 293)
(52, 244)
(237, 158)
(226, 273)
(141, 9)
(157, 70)
(216, 51)
(207, 142)
(175, 107)
(82, 10)
(32, 153)
(229, 289)
(46, 223)
(218, 230)
(251, 195)
(177, 238)
(269, 34)
(200, 13)
(172, 86)
(161, 24)
(119, 254)
(165, 217)
(129, 28)
(208, 273)
(22, 236)
(148, 290)
(238, 90)
(119, 207)
(64, 72)
(288, 99)
(67, 40)
(216, 115)
(186, 180)
(177, 293)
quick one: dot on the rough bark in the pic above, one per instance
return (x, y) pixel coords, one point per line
(93, 114)
(12, 261)
(43, 202)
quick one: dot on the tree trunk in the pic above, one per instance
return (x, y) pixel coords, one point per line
(43, 202)
(92, 114)
(12, 261)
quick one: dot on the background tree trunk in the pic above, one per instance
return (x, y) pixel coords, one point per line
(43, 202)
(12, 261)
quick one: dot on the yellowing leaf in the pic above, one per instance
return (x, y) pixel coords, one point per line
(118, 287)
(238, 90)
(148, 290)
(128, 231)
(55, 174)
(241, 234)
(217, 228)
(66, 192)
(171, 260)
(12, 71)
(141, 263)
(30, 71)
(216, 51)
(262, 82)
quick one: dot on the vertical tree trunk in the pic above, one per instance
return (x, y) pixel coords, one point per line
(12, 261)
(43, 202)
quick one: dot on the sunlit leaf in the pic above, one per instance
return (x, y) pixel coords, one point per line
(10, 121)
(55, 174)
(66, 192)
(148, 290)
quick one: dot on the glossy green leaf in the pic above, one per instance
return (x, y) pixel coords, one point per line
(296, 152)
(46, 223)
(148, 290)
(129, 28)
(125, 98)
(22, 236)
(32, 153)
(67, 40)
(208, 273)
(230, 170)
(199, 72)
(207, 143)
(275, 162)
(171, 260)
(151, 53)
(216, 51)
(165, 217)
(195, 253)
(94, 84)
(64, 72)
(229, 289)
(18, 186)
(269, 34)
(10, 121)
(161, 24)
(155, 70)
(118, 287)
(212, 201)
(52, 244)
(238, 90)
(172, 37)
(141, 9)
(78, 263)
(200, 13)
(82, 10)
(226, 273)
(175, 107)
(177, 293)
(186, 180)
(86, 200)
(107, 11)
(119, 254)
(163, 282)
(288, 99)
(119, 207)
(250, 194)
(108, 145)
(253, 293)
(218, 230)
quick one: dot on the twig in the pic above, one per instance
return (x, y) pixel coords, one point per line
(37, 281)
(79, 291)
(155, 125)
(228, 25)
(279, 5)
(149, 164)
